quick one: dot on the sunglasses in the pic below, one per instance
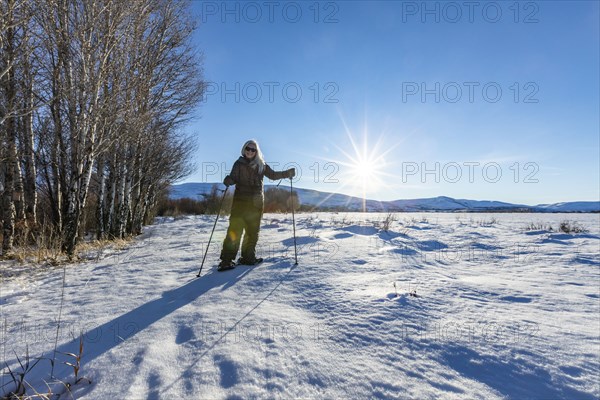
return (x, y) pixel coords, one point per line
(252, 149)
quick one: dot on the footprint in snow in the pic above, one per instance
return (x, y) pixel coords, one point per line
(431, 245)
(517, 299)
(154, 383)
(343, 235)
(229, 373)
(184, 335)
(270, 226)
(402, 299)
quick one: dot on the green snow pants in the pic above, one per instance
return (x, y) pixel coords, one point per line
(244, 220)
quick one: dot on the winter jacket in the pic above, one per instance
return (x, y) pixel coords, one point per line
(249, 182)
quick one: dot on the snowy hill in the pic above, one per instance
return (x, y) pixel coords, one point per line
(442, 203)
(578, 206)
(439, 306)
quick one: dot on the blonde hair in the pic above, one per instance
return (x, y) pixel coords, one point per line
(258, 162)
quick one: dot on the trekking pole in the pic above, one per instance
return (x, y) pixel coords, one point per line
(213, 230)
(293, 221)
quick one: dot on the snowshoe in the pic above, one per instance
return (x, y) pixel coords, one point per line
(246, 261)
(226, 265)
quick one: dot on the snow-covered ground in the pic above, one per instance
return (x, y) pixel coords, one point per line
(500, 311)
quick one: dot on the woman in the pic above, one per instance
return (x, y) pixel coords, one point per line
(248, 200)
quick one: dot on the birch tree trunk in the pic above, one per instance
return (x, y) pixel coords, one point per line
(92, 94)
(8, 89)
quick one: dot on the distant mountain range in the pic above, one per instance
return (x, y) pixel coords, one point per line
(336, 201)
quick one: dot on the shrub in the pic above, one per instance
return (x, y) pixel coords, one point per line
(387, 222)
(571, 227)
(539, 227)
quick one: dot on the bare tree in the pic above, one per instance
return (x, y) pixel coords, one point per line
(165, 79)
(14, 18)
(92, 98)
(29, 103)
(81, 38)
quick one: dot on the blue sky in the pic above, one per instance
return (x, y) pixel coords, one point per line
(396, 100)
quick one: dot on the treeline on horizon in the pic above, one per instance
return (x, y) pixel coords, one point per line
(279, 201)
(92, 98)
(276, 201)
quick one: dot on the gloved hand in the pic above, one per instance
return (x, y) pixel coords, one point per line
(228, 181)
(291, 172)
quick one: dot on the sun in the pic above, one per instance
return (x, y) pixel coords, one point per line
(362, 167)
(364, 164)
(366, 169)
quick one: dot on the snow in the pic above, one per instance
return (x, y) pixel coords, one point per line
(500, 311)
(580, 206)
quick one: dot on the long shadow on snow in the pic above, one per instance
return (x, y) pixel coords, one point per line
(587, 260)
(105, 337)
(514, 378)
(300, 241)
(226, 369)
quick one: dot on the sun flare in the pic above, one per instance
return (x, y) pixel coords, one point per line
(364, 166)
(366, 170)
